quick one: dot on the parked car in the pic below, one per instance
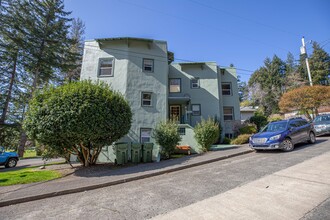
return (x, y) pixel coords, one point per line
(8, 159)
(322, 124)
(283, 135)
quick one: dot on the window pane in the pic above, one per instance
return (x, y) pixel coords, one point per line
(228, 113)
(146, 99)
(196, 109)
(106, 67)
(148, 65)
(175, 85)
(194, 83)
(146, 96)
(145, 135)
(226, 89)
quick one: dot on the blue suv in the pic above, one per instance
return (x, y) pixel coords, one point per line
(283, 135)
(8, 159)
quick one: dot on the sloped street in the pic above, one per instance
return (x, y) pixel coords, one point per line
(164, 194)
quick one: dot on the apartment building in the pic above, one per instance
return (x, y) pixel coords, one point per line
(158, 89)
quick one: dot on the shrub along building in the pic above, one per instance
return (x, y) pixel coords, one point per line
(158, 89)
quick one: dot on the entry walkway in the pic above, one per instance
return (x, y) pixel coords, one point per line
(287, 194)
(73, 183)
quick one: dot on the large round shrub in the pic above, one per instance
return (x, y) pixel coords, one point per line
(79, 117)
(207, 132)
(167, 136)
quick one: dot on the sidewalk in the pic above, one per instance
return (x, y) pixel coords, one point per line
(10, 195)
(291, 193)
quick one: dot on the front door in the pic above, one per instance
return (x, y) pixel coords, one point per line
(175, 112)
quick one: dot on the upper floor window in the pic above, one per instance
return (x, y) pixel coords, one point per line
(145, 135)
(194, 83)
(175, 85)
(196, 109)
(226, 88)
(106, 67)
(228, 113)
(146, 98)
(148, 65)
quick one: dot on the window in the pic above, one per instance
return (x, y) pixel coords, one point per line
(146, 98)
(228, 113)
(196, 109)
(194, 83)
(148, 65)
(182, 131)
(229, 135)
(226, 88)
(145, 135)
(106, 67)
(175, 85)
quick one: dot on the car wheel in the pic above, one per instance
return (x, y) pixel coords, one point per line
(11, 163)
(312, 138)
(287, 145)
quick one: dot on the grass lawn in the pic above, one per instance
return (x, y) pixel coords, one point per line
(27, 175)
(29, 153)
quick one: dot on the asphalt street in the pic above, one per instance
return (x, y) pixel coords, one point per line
(158, 195)
(33, 162)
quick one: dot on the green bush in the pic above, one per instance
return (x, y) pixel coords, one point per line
(259, 120)
(226, 140)
(206, 133)
(241, 139)
(167, 136)
(78, 118)
(248, 129)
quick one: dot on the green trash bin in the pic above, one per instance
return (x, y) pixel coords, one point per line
(147, 152)
(136, 149)
(121, 153)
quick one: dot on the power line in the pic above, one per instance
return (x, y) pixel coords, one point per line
(201, 24)
(243, 18)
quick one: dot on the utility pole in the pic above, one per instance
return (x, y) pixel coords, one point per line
(302, 52)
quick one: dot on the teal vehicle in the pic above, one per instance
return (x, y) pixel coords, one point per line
(8, 159)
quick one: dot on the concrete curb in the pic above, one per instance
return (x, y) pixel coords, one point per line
(112, 183)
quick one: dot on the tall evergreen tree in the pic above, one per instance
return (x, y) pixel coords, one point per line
(319, 65)
(293, 78)
(34, 43)
(75, 52)
(267, 85)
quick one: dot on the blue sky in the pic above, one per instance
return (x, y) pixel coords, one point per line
(240, 32)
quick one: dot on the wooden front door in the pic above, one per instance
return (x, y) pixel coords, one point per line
(175, 112)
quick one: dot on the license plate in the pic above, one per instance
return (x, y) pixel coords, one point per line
(259, 140)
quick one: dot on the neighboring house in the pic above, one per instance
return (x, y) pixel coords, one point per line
(157, 89)
(247, 112)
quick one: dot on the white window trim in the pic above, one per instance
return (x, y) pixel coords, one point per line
(141, 133)
(232, 113)
(195, 85)
(142, 99)
(175, 85)
(152, 66)
(112, 68)
(230, 89)
(199, 112)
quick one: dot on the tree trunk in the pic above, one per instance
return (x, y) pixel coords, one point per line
(22, 142)
(8, 96)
